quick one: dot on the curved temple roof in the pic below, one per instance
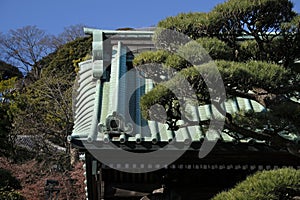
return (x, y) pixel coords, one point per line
(108, 94)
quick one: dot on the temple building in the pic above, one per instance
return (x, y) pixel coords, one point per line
(128, 157)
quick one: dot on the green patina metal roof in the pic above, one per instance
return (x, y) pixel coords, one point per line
(107, 95)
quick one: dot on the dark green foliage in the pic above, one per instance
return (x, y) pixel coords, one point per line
(246, 76)
(10, 195)
(248, 50)
(217, 49)
(267, 185)
(159, 95)
(21, 155)
(62, 61)
(192, 53)
(261, 19)
(150, 57)
(8, 185)
(254, 45)
(8, 71)
(254, 17)
(194, 25)
(5, 128)
(168, 59)
(44, 107)
(9, 76)
(264, 20)
(8, 181)
(279, 50)
(240, 76)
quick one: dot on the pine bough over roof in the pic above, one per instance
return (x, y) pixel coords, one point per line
(107, 107)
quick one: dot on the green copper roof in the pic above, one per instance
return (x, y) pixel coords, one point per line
(107, 95)
(112, 98)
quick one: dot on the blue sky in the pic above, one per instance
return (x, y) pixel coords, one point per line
(53, 15)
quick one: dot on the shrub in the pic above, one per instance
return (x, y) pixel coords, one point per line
(8, 181)
(266, 185)
(8, 184)
(10, 195)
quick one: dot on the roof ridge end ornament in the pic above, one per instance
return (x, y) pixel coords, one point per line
(115, 125)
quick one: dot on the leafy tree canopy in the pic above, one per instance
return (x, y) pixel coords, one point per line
(40, 103)
(45, 105)
(9, 76)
